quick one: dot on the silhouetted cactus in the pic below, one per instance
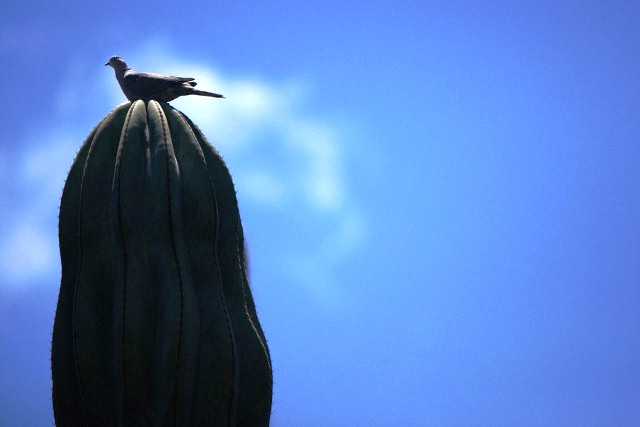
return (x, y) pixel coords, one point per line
(155, 323)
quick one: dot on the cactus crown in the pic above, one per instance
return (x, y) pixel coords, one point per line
(155, 321)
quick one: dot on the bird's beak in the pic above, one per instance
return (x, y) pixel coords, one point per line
(106, 63)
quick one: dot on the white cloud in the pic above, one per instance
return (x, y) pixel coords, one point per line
(323, 184)
(263, 187)
(28, 214)
(27, 252)
(280, 158)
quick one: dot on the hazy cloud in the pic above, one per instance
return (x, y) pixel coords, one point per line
(280, 157)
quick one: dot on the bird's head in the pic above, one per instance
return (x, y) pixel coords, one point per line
(117, 63)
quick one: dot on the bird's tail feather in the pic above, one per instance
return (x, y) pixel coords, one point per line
(205, 93)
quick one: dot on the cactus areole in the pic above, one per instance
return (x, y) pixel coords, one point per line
(155, 323)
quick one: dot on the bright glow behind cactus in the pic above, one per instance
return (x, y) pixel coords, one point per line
(305, 170)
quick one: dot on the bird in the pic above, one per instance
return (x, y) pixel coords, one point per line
(151, 86)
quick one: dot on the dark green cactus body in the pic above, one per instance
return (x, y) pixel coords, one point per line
(155, 322)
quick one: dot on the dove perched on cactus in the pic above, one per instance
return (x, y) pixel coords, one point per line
(147, 86)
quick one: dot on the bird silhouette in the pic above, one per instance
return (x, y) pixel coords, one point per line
(147, 86)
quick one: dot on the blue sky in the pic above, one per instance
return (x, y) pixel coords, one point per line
(441, 199)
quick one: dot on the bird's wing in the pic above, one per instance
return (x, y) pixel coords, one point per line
(151, 82)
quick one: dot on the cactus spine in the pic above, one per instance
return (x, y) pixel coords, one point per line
(155, 323)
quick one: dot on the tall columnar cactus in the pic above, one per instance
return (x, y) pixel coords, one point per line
(155, 323)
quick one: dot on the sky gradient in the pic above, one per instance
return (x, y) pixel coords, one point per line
(440, 199)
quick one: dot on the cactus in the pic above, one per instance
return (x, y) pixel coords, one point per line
(155, 323)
